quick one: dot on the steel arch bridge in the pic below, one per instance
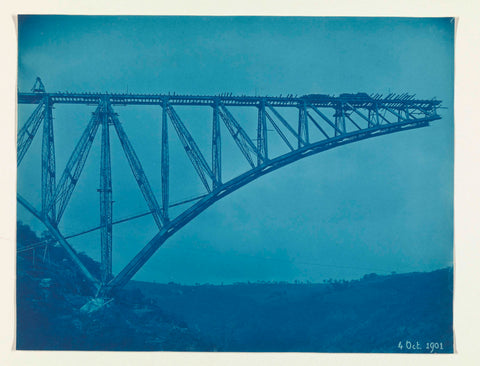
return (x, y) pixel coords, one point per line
(321, 122)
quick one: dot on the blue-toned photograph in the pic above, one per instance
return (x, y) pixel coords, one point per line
(235, 184)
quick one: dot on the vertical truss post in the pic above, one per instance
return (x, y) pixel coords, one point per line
(216, 147)
(373, 117)
(165, 161)
(340, 119)
(105, 197)
(262, 146)
(48, 163)
(377, 114)
(302, 124)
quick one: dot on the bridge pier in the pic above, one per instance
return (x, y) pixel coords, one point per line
(106, 203)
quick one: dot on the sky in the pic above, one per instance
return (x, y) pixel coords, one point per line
(379, 205)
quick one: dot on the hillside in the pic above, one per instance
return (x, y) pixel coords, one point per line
(373, 314)
(394, 313)
(50, 295)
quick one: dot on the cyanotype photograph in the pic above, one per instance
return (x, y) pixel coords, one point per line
(235, 184)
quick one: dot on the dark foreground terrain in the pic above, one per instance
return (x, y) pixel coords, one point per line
(395, 313)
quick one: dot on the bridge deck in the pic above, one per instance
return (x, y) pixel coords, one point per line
(359, 100)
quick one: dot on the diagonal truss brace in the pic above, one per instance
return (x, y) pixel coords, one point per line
(28, 131)
(138, 171)
(316, 124)
(191, 148)
(400, 118)
(326, 119)
(279, 131)
(75, 165)
(241, 138)
(300, 140)
(369, 121)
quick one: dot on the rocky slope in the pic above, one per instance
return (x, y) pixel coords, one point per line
(396, 313)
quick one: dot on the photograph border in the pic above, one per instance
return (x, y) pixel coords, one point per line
(466, 199)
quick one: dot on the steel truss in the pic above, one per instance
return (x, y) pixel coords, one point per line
(323, 122)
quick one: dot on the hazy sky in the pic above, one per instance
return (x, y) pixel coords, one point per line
(380, 205)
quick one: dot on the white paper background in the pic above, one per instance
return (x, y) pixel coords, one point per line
(467, 192)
